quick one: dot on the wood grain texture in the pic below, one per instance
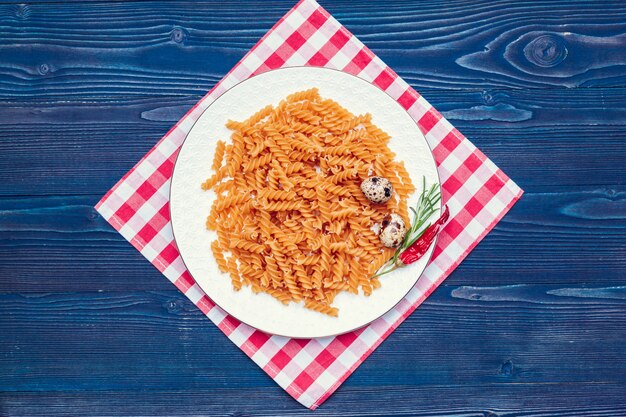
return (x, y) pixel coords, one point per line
(144, 340)
(138, 48)
(489, 400)
(552, 237)
(532, 323)
(540, 137)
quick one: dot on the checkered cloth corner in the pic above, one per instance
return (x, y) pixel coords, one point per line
(477, 192)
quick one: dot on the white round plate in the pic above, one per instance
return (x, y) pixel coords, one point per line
(190, 205)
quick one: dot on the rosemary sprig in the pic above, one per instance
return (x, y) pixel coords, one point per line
(424, 209)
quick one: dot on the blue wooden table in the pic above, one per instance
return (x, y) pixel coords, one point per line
(533, 321)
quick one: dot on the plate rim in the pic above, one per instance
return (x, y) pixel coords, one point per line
(434, 244)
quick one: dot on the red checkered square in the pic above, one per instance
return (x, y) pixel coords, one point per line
(185, 281)
(169, 253)
(258, 339)
(429, 120)
(494, 184)
(473, 206)
(261, 69)
(146, 190)
(384, 80)
(280, 359)
(462, 174)
(317, 60)
(483, 195)
(451, 141)
(165, 169)
(274, 61)
(158, 178)
(125, 212)
(473, 162)
(161, 219)
(229, 324)
(284, 52)
(347, 339)
(328, 51)
(295, 40)
(307, 29)
(317, 19)
(146, 234)
(454, 227)
(325, 358)
(407, 99)
(303, 381)
(361, 59)
(451, 186)
(340, 38)
(300, 343)
(205, 305)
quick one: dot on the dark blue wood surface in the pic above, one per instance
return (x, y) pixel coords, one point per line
(532, 323)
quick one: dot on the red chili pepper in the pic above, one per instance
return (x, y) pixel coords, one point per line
(421, 245)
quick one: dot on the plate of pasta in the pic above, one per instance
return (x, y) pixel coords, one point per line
(269, 205)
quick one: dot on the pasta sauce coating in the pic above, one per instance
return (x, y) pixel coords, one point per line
(290, 217)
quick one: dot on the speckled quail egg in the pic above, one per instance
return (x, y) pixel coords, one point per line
(393, 230)
(377, 189)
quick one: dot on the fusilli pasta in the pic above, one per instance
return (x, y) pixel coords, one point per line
(290, 217)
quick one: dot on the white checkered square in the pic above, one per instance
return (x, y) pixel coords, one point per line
(474, 229)
(262, 356)
(216, 315)
(451, 164)
(113, 203)
(439, 131)
(296, 60)
(339, 61)
(317, 40)
(284, 30)
(194, 293)
(241, 335)
(476, 180)
(262, 52)
(306, 9)
(419, 109)
(283, 380)
(326, 380)
(396, 89)
(339, 366)
(129, 229)
(303, 356)
(157, 244)
(274, 41)
(125, 191)
(252, 62)
(371, 71)
(329, 28)
(175, 270)
(306, 51)
(297, 18)
(146, 170)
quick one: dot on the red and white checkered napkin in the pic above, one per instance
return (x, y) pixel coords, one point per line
(477, 192)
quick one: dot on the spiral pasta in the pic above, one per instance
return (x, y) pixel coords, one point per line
(290, 217)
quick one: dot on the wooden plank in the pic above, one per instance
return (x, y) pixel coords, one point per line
(460, 336)
(87, 88)
(497, 400)
(540, 138)
(152, 47)
(553, 237)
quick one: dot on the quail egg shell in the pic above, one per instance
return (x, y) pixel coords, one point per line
(393, 231)
(377, 189)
